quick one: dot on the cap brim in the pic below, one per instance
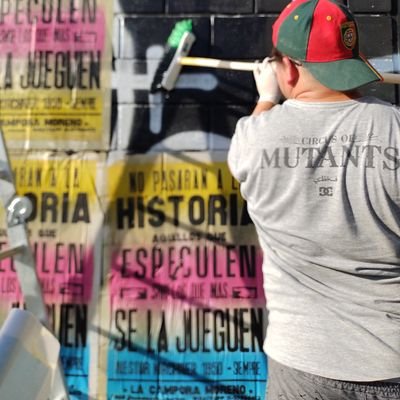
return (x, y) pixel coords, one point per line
(344, 75)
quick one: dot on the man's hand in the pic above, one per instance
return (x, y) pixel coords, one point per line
(266, 82)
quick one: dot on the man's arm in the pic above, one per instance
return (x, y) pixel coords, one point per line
(262, 106)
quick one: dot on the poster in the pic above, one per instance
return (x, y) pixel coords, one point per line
(55, 68)
(183, 287)
(65, 236)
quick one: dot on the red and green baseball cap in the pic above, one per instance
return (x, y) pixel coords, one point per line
(323, 35)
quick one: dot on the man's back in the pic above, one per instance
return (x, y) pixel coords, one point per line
(322, 182)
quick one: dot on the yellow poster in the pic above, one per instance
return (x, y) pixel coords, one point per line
(183, 284)
(65, 234)
(55, 63)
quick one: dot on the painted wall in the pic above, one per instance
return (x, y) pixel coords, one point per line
(149, 263)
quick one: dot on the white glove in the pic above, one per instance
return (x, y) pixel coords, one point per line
(266, 82)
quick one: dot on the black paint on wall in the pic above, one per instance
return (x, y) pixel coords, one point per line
(226, 29)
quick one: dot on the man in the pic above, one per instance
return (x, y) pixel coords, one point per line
(321, 176)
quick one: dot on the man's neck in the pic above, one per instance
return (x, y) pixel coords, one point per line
(323, 94)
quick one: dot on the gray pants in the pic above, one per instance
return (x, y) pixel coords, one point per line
(289, 384)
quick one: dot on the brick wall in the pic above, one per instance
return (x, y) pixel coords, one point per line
(200, 114)
(195, 120)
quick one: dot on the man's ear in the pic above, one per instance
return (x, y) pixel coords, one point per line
(292, 73)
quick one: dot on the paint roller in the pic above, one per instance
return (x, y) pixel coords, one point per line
(176, 56)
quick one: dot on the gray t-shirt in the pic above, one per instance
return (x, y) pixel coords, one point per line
(322, 183)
